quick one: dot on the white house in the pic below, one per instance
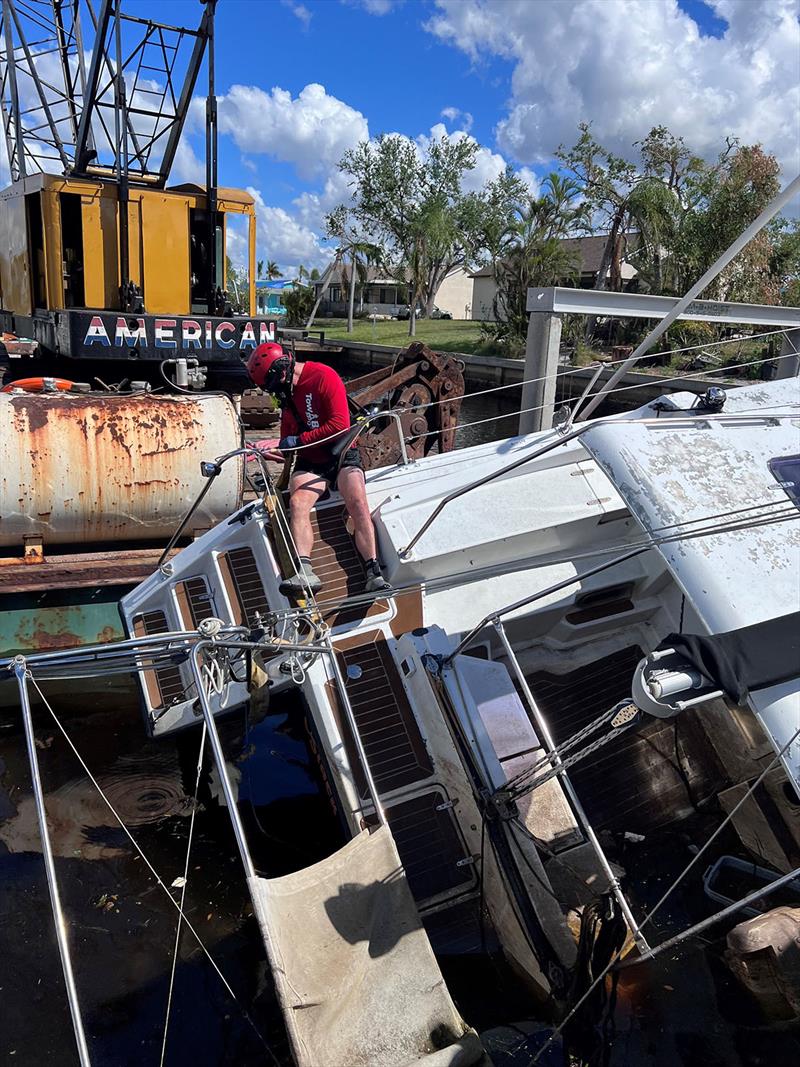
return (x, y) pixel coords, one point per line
(383, 294)
(590, 250)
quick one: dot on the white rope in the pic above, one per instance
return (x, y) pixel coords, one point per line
(184, 884)
(152, 870)
(557, 374)
(656, 380)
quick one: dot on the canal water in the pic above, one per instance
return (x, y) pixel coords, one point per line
(122, 927)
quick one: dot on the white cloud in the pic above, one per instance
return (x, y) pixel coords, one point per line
(454, 114)
(627, 65)
(311, 131)
(374, 7)
(283, 238)
(312, 207)
(300, 11)
(530, 179)
(187, 167)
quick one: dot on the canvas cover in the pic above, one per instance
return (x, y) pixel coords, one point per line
(355, 973)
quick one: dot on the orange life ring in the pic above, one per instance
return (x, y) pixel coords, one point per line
(40, 385)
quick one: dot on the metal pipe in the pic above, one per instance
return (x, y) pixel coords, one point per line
(21, 670)
(660, 328)
(351, 719)
(757, 894)
(34, 73)
(582, 397)
(541, 725)
(682, 705)
(382, 415)
(123, 198)
(129, 643)
(540, 594)
(211, 167)
(219, 756)
(20, 170)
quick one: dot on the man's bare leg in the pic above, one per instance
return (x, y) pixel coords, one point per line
(305, 490)
(351, 485)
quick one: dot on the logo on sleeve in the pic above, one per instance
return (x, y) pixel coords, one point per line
(311, 417)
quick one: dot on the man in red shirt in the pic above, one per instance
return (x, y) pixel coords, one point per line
(315, 417)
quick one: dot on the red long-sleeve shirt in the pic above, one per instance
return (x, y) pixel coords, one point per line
(321, 401)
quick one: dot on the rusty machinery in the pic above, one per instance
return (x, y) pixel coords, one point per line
(425, 388)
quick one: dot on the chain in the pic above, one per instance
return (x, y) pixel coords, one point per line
(560, 750)
(622, 717)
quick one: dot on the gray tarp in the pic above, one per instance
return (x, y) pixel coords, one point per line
(355, 973)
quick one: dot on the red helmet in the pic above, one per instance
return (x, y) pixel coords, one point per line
(261, 360)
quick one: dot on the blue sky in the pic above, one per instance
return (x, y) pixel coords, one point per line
(517, 75)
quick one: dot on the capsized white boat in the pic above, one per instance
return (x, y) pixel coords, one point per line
(564, 604)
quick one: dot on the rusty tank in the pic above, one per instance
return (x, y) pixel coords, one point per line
(106, 468)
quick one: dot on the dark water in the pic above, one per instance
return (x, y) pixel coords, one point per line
(122, 928)
(683, 1010)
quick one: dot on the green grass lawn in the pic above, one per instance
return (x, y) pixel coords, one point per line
(443, 335)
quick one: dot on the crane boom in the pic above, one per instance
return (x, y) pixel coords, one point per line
(120, 117)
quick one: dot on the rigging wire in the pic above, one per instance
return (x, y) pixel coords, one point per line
(154, 872)
(562, 373)
(618, 955)
(778, 515)
(620, 389)
(184, 883)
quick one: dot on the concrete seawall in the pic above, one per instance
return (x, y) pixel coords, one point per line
(497, 370)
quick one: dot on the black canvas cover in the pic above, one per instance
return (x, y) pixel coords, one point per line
(738, 662)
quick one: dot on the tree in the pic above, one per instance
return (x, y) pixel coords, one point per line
(412, 205)
(298, 302)
(273, 270)
(314, 276)
(626, 198)
(361, 254)
(784, 265)
(237, 283)
(534, 253)
(684, 213)
(724, 200)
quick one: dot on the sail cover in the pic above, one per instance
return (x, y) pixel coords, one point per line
(355, 973)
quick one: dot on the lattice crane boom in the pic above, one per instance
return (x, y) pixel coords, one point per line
(115, 112)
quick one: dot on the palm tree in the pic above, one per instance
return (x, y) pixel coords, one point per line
(259, 269)
(535, 254)
(273, 270)
(362, 255)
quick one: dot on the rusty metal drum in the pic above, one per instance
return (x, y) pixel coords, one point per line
(104, 469)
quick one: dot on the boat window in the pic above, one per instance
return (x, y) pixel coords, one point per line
(786, 470)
